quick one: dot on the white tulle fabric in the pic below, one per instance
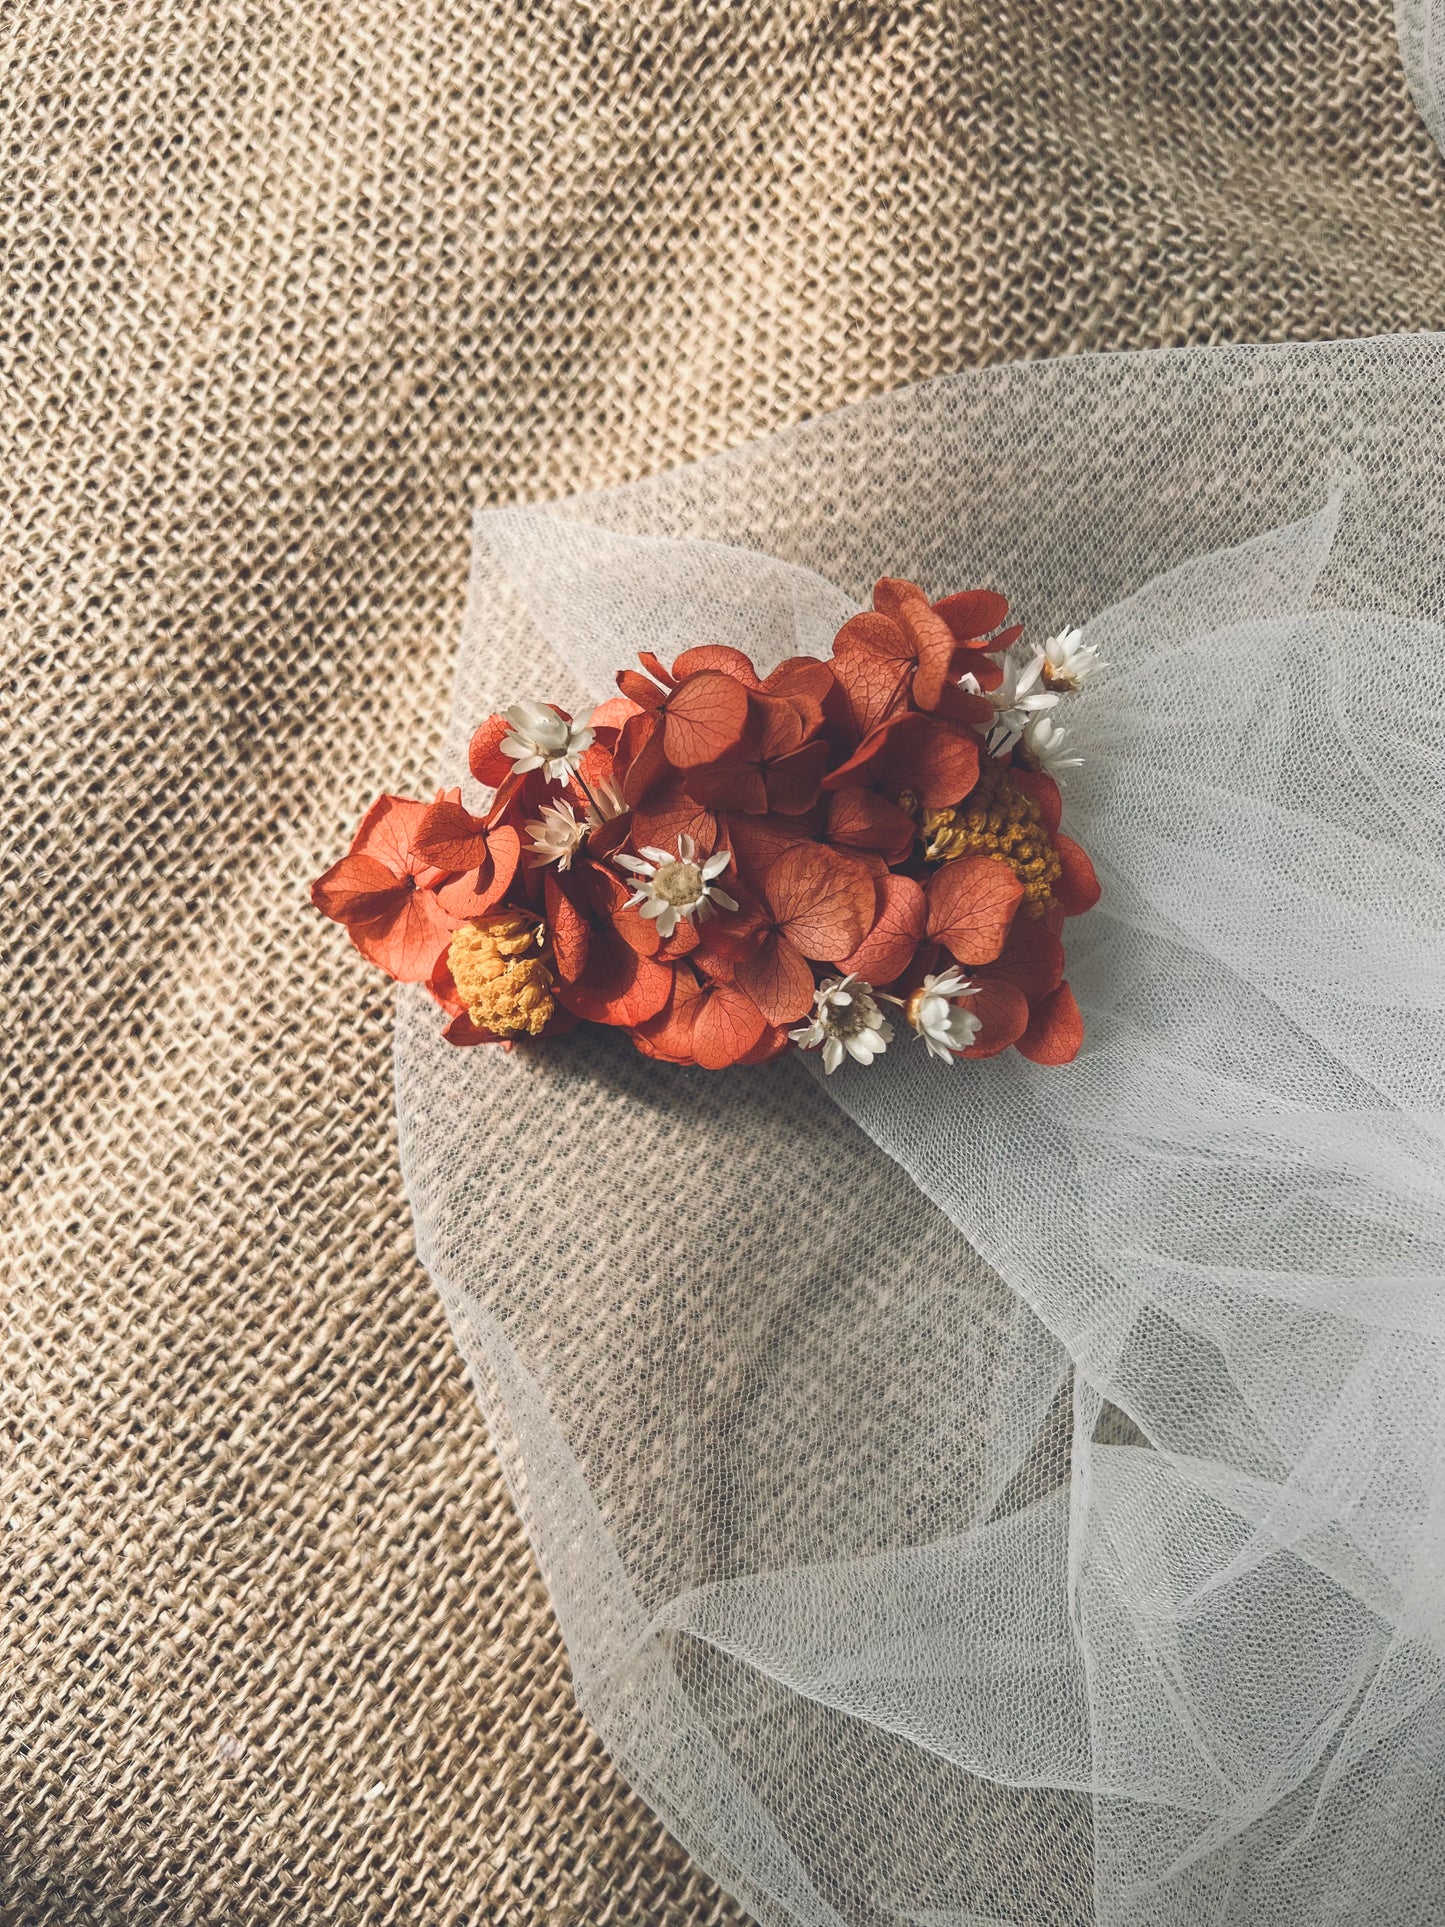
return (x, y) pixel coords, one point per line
(1420, 26)
(1044, 1522)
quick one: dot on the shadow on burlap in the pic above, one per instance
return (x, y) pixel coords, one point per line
(288, 289)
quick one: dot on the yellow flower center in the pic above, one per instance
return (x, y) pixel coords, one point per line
(846, 1020)
(997, 819)
(504, 989)
(678, 883)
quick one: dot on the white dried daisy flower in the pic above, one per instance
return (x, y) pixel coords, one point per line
(1018, 698)
(557, 835)
(846, 1021)
(942, 1024)
(1046, 745)
(670, 887)
(542, 739)
(1069, 661)
(606, 799)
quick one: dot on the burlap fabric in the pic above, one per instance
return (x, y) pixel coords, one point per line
(288, 289)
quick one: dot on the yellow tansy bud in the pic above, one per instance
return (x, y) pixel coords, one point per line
(504, 989)
(997, 819)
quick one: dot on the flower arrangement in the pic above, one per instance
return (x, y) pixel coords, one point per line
(724, 864)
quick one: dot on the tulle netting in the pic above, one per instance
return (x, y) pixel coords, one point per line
(1043, 1522)
(1420, 27)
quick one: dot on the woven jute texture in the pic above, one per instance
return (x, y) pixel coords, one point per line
(288, 286)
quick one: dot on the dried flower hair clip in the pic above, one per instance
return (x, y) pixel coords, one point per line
(724, 864)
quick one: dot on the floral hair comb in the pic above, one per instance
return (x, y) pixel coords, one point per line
(724, 864)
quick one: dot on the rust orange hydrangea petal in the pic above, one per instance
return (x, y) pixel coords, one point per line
(670, 812)
(971, 903)
(778, 979)
(358, 889)
(901, 915)
(1055, 1030)
(973, 615)
(484, 753)
(667, 1036)
(705, 718)
(1032, 958)
(406, 943)
(450, 836)
(382, 892)
(872, 687)
(727, 1026)
(476, 891)
(612, 714)
(1078, 888)
(718, 656)
(1003, 1012)
(935, 760)
(821, 899)
(861, 819)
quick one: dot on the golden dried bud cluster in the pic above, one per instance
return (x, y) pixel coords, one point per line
(506, 990)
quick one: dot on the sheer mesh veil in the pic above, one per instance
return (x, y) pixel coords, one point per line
(1420, 25)
(1008, 1494)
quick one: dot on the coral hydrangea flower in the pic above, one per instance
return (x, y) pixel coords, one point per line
(384, 892)
(712, 1025)
(1078, 886)
(1023, 1001)
(813, 905)
(726, 865)
(862, 819)
(907, 644)
(900, 920)
(482, 860)
(971, 904)
(928, 757)
(680, 725)
(1055, 1030)
(605, 953)
(670, 812)
(777, 765)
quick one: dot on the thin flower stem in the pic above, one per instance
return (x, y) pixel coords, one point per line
(590, 797)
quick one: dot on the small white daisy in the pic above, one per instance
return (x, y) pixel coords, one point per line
(1017, 699)
(556, 836)
(1046, 745)
(846, 1020)
(606, 800)
(942, 1025)
(672, 887)
(1069, 661)
(541, 739)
